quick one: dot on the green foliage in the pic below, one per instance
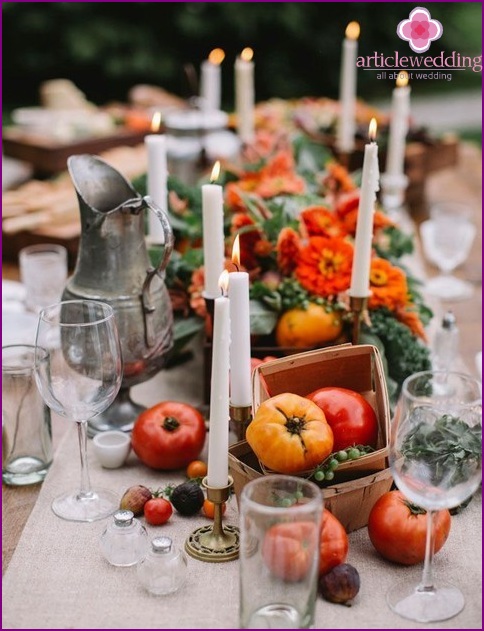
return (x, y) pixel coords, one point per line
(404, 352)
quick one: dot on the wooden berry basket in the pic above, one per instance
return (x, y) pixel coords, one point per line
(358, 483)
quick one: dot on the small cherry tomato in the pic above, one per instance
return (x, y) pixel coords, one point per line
(158, 511)
(197, 469)
(208, 509)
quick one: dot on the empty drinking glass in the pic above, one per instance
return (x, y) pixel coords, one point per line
(447, 239)
(43, 271)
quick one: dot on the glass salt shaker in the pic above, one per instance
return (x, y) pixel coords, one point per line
(163, 570)
(125, 540)
(445, 347)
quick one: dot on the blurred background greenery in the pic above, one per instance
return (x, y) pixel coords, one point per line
(105, 48)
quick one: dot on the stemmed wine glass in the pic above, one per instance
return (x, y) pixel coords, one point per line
(447, 240)
(79, 377)
(435, 458)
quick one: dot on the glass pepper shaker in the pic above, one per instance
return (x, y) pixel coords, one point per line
(163, 570)
(125, 540)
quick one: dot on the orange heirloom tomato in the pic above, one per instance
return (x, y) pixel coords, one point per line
(197, 469)
(288, 549)
(398, 529)
(289, 434)
(334, 543)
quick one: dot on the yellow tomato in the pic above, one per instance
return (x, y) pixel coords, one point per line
(305, 328)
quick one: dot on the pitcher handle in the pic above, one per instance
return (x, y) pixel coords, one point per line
(148, 308)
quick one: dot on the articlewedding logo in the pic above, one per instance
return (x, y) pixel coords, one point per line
(419, 30)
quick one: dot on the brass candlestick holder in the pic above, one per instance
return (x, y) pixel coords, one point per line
(240, 417)
(357, 307)
(215, 543)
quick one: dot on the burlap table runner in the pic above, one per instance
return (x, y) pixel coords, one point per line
(58, 579)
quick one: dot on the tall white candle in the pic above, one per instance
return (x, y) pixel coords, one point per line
(213, 234)
(156, 183)
(240, 368)
(244, 95)
(345, 136)
(211, 80)
(398, 126)
(360, 274)
(218, 435)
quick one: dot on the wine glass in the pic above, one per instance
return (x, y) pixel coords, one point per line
(79, 377)
(435, 458)
(447, 240)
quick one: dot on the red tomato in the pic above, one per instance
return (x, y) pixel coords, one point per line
(169, 435)
(288, 549)
(333, 544)
(157, 511)
(397, 528)
(349, 415)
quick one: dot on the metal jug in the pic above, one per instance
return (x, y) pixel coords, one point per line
(113, 266)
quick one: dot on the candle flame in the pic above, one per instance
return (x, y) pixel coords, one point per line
(223, 282)
(215, 172)
(236, 252)
(352, 30)
(402, 79)
(216, 56)
(156, 122)
(372, 130)
(247, 54)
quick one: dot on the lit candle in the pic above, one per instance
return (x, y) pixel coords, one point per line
(211, 80)
(218, 435)
(360, 274)
(213, 233)
(244, 95)
(240, 369)
(398, 126)
(156, 178)
(345, 139)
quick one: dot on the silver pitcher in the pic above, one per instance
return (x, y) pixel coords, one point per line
(113, 266)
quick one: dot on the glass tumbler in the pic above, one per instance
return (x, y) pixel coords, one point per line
(26, 422)
(43, 272)
(280, 525)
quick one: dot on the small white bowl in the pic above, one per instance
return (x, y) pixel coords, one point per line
(112, 448)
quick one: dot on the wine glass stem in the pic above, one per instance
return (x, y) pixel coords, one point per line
(85, 490)
(427, 583)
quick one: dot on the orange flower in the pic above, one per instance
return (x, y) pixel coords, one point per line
(195, 290)
(278, 176)
(338, 179)
(388, 285)
(320, 221)
(250, 236)
(288, 247)
(410, 318)
(347, 210)
(324, 266)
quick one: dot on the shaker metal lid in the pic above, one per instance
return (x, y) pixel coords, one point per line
(161, 544)
(123, 517)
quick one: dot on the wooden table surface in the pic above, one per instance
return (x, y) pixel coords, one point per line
(462, 183)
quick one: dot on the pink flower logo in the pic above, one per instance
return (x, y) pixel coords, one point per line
(419, 30)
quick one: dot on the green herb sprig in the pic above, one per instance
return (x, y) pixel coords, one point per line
(450, 448)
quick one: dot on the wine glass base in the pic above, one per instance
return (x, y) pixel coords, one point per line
(97, 505)
(431, 605)
(449, 288)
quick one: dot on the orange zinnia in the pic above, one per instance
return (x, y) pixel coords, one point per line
(288, 247)
(277, 177)
(320, 221)
(324, 266)
(249, 237)
(338, 179)
(347, 211)
(388, 285)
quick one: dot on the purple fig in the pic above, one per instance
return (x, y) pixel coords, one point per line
(135, 498)
(340, 585)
